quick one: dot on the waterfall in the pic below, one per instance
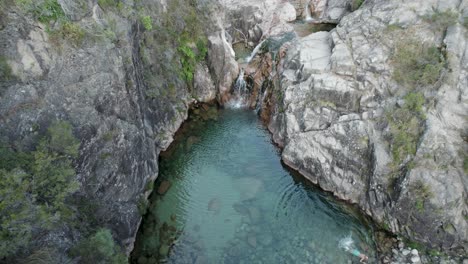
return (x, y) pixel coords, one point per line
(258, 108)
(308, 17)
(254, 52)
(240, 93)
(231, 50)
(240, 86)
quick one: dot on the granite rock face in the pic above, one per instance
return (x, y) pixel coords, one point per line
(252, 21)
(115, 92)
(332, 93)
(323, 11)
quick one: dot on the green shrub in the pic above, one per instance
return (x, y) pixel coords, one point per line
(191, 56)
(99, 248)
(147, 22)
(441, 19)
(70, 32)
(43, 10)
(465, 22)
(202, 49)
(16, 211)
(60, 139)
(53, 173)
(12, 159)
(416, 64)
(5, 70)
(34, 190)
(405, 127)
(188, 60)
(421, 193)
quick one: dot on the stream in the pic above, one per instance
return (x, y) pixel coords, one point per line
(223, 196)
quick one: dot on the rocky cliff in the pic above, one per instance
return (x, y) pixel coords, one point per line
(123, 74)
(375, 111)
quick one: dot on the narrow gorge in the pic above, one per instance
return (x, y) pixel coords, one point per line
(365, 100)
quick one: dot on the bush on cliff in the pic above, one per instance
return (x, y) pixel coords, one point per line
(406, 127)
(99, 248)
(34, 187)
(441, 19)
(417, 65)
(47, 11)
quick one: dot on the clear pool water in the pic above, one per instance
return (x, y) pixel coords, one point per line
(230, 200)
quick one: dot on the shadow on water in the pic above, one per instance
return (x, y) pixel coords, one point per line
(304, 28)
(223, 196)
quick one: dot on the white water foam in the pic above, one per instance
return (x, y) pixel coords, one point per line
(308, 17)
(254, 52)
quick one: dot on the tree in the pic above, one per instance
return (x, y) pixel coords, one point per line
(16, 211)
(100, 248)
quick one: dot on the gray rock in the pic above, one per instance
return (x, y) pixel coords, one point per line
(330, 83)
(204, 88)
(415, 259)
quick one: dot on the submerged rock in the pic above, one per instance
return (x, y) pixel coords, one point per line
(248, 187)
(214, 204)
(254, 214)
(241, 209)
(252, 240)
(163, 187)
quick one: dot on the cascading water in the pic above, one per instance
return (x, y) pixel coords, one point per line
(240, 92)
(241, 85)
(254, 52)
(308, 17)
(260, 100)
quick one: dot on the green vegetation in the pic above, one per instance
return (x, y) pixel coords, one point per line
(108, 3)
(406, 127)
(393, 27)
(47, 11)
(441, 19)
(465, 22)
(142, 205)
(356, 4)
(147, 22)
(171, 51)
(416, 64)
(421, 193)
(34, 186)
(5, 70)
(71, 32)
(190, 55)
(99, 248)
(149, 186)
(43, 10)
